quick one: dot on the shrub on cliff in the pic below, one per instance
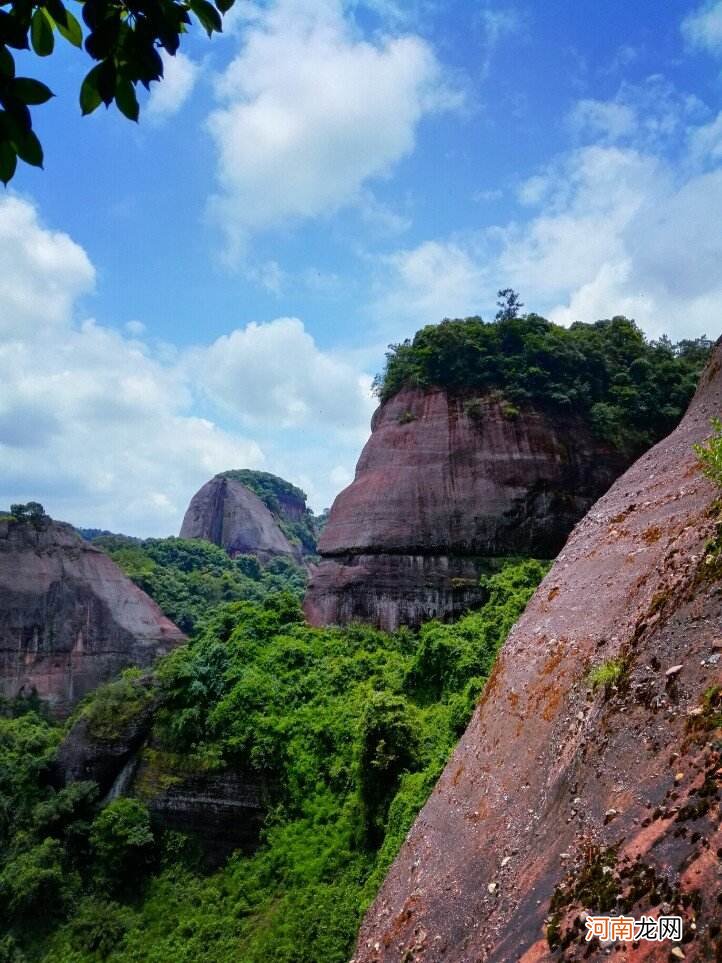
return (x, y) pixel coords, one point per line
(709, 454)
(632, 391)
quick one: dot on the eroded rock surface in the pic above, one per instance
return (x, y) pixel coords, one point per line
(443, 482)
(228, 514)
(559, 797)
(69, 618)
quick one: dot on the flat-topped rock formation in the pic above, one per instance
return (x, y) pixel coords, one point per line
(443, 482)
(563, 799)
(69, 618)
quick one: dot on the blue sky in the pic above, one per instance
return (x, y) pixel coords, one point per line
(215, 287)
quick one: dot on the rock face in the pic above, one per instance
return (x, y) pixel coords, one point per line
(221, 811)
(561, 799)
(443, 482)
(69, 618)
(228, 514)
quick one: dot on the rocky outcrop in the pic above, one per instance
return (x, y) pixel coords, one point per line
(91, 753)
(222, 811)
(69, 618)
(562, 799)
(229, 514)
(442, 483)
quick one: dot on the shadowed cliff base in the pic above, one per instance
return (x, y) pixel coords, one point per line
(589, 777)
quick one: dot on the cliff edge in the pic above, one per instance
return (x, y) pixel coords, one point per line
(564, 798)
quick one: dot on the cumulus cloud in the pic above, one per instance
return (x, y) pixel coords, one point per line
(275, 375)
(432, 281)
(310, 112)
(626, 222)
(179, 78)
(703, 27)
(106, 432)
(43, 271)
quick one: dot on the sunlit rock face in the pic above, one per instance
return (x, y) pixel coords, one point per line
(443, 483)
(69, 618)
(562, 798)
(228, 514)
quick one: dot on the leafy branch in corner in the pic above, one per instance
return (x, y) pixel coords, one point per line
(123, 37)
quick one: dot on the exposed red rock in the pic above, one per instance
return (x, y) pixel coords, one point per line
(228, 514)
(442, 481)
(69, 618)
(551, 776)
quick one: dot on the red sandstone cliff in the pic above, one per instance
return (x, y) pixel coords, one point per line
(559, 800)
(228, 514)
(69, 618)
(442, 481)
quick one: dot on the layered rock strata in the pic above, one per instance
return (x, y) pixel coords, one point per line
(443, 483)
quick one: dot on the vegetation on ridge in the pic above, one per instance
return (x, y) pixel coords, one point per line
(632, 391)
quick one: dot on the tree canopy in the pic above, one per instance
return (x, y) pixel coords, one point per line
(633, 391)
(123, 39)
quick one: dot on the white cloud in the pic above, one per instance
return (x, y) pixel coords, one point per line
(606, 118)
(274, 375)
(432, 281)
(703, 28)
(170, 94)
(311, 111)
(497, 24)
(43, 271)
(650, 115)
(106, 432)
(628, 227)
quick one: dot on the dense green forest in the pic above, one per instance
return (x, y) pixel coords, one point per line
(188, 577)
(350, 726)
(633, 391)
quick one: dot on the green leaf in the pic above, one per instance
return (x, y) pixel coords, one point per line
(28, 149)
(8, 161)
(56, 11)
(224, 5)
(41, 33)
(30, 91)
(73, 32)
(89, 94)
(7, 63)
(207, 14)
(125, 99)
